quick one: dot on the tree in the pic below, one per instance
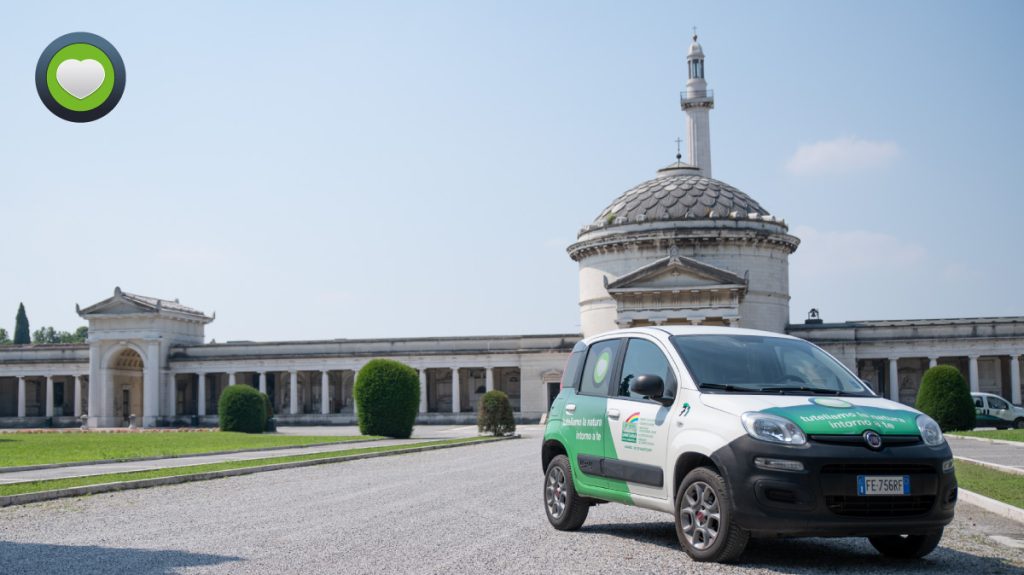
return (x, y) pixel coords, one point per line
(387, 398)
(45, 335)
(494, 415)
(4, 338)
(21, 333)
(241, 408)
(81, 335)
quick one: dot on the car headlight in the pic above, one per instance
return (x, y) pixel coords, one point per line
(772, 428)
(931, 433)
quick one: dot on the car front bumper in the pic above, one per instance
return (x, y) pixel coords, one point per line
(822, 499)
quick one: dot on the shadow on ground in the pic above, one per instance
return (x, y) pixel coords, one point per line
(818, 555)
(27, 558)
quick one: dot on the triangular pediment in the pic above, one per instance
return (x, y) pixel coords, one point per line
(124, 303)
(675, 272)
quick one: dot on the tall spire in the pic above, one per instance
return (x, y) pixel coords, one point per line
(697, 101)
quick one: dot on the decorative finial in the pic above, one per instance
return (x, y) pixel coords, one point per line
(679, 154)
(694, 33)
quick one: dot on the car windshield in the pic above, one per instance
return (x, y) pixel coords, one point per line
(764, 364)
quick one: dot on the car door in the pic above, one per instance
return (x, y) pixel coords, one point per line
(638, 427)
(585, 415)
(999, 410)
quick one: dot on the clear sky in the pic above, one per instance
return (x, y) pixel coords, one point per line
(319, 170)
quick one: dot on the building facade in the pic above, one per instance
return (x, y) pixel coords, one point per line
(681, 248)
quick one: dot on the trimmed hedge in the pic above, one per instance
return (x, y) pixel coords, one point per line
(946, 398)
(387, 395)
(494, 414)
(241, 408)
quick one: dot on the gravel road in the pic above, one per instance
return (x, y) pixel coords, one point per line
(473, 509)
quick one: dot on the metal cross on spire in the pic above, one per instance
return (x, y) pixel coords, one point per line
(679, 153)
(694, 33)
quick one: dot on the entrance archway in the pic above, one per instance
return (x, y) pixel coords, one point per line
(126, 377)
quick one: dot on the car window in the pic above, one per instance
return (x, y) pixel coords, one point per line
(571, 375)
(996, 403)
(978, 402)
(597, 372)
(644, 358)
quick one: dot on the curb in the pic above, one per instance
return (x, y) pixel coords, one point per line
(991, 505)
(988, 440)
(995, 466)
(38, 496)
(156, 457)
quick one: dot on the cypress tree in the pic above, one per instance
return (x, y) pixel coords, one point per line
(21, 333)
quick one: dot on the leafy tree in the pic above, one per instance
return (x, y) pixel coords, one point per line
(81, 335)
(45, 335)
(21, 333)
(387, 398)
(4, 338)
(494, 414)
(946, 398)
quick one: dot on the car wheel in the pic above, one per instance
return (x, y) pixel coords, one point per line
(1019, 423)
(704, 522)
(906, 546)
(565, 508)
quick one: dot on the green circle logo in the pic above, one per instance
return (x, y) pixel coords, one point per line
(604, 361)
(80, 77)
(830, 402)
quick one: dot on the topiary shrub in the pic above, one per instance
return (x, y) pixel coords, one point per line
(241, 408)
(946, 398)
(268, 408)
(494, 414)
(387, 395)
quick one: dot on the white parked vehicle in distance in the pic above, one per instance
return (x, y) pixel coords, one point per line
(994, 411)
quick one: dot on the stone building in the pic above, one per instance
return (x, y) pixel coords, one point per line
(679, 248)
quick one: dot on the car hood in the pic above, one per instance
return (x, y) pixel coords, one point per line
(824, 415)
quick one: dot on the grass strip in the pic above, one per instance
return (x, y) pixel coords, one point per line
(51, 484)
(24, 449)
(998, 485)
(1003, 434)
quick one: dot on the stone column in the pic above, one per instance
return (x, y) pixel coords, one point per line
(489, 379)
(293, 405)
(423, 390)
(263, 382)
(151, 385)
(78, 395)
(21, 396)
(1015, 379)
(172, 395)
(49, 396)
(894, 379)
(456, 396)
(201, 391)
(972, 372)
(355, 406)
(933, 361)
(325, 392)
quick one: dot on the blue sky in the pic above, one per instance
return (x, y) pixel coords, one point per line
(320, 170)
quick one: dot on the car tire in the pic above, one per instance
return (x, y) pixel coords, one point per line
(906, 546)
(703, 502)
(1018, 423)
(566, 509)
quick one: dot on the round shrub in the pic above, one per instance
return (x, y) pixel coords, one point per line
(387, 397)
(946, 398)
(494, 414)
(241, 408)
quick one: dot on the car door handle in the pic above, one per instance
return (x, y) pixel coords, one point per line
(613, 413)
(570, 408)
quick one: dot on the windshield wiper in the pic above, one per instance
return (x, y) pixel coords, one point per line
(791, 388)
(723, 386)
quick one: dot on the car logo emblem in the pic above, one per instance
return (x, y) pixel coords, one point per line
(873, 440)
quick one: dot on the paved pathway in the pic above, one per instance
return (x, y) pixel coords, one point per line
(420, 433)
(999, 453)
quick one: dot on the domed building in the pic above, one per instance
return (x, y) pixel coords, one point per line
(685, 248)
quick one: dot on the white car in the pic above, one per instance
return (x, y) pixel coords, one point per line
(994, 411)
(741, 433)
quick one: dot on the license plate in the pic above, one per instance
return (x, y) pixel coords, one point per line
(883, 485)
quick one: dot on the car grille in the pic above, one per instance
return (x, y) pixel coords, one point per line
(879, 468)
(879, 505)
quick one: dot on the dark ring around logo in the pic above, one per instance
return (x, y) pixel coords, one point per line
(115, 62)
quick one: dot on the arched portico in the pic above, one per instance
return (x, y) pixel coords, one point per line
(125, 384)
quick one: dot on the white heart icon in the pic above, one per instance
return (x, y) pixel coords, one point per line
(80, 78)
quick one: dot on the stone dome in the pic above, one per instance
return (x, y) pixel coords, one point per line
(680, 193)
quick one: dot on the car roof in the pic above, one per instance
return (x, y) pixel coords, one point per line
(684, 330)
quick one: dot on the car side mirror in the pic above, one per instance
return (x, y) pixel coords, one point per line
(652, 387)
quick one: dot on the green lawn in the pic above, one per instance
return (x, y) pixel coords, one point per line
(1005, 487)
(1004, 434)
(32, 487)
(18, 449)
